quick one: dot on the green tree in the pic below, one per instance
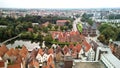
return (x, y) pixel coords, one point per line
(70, 26)
(45, 29)
(49, 26)
(56, 27)
(109, 32)
(103, 26)
(101, 38)
(62, 28)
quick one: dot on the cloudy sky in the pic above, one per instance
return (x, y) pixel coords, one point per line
(59, 3)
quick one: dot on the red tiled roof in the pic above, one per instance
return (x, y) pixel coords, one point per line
(74, 49)
(62, 21)
(74, 52)
(71, 46)
(45, 66)
(58, 49)
(50, 59)
(50, 51)
(77, 32)
(46, 24)
(50, 62)
(87, 45)
(14, 66)
(31, 63)
(1, 63)
(23, 47)
(3, 50)
(23, 52)
(18, 60)
(78, 46)
(65, 49)
(1, 54)
(40, 52)
(15, 52)
(34, 53)
(82, 36)
(72, 36)
(72, 32)
(9, 53)
(36, 63)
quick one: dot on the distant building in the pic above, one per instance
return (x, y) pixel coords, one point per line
(89, 30)
(46, 24)
(61, 22)
(72, 36)
(30, 29)
(33, 24)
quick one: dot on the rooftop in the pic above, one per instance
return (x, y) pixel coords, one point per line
(113, 60)
(61, 21)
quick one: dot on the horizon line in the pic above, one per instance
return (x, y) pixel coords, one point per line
(62, 8)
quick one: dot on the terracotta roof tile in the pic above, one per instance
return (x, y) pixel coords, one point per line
(35, 63)
(14, 66)
(1, 63)
(59, 49)
(1, 53)
(9, 53)
(82, 36)
(31, 63)
(34, 53)
(87, 45)
(50, 59)
(50, 51)
(46, 66)
(65, 49)
(50, 62)
(78, 46)
(53, 65)
(40, 52)
(19, 59)
(72, 36)
(71, 46)
(23, 52)
(74, 49)
(3, 49)
(15, 52)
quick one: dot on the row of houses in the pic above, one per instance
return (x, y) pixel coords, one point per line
(58, 23)
(13, 57)
(70, 36)
(43, 56)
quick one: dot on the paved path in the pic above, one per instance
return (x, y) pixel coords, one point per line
(10, 39)
(75, 22)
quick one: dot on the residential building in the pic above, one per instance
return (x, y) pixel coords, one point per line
(61, 22)
(89, 30)
(91, 55)
(115, 48)
(72, 36)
